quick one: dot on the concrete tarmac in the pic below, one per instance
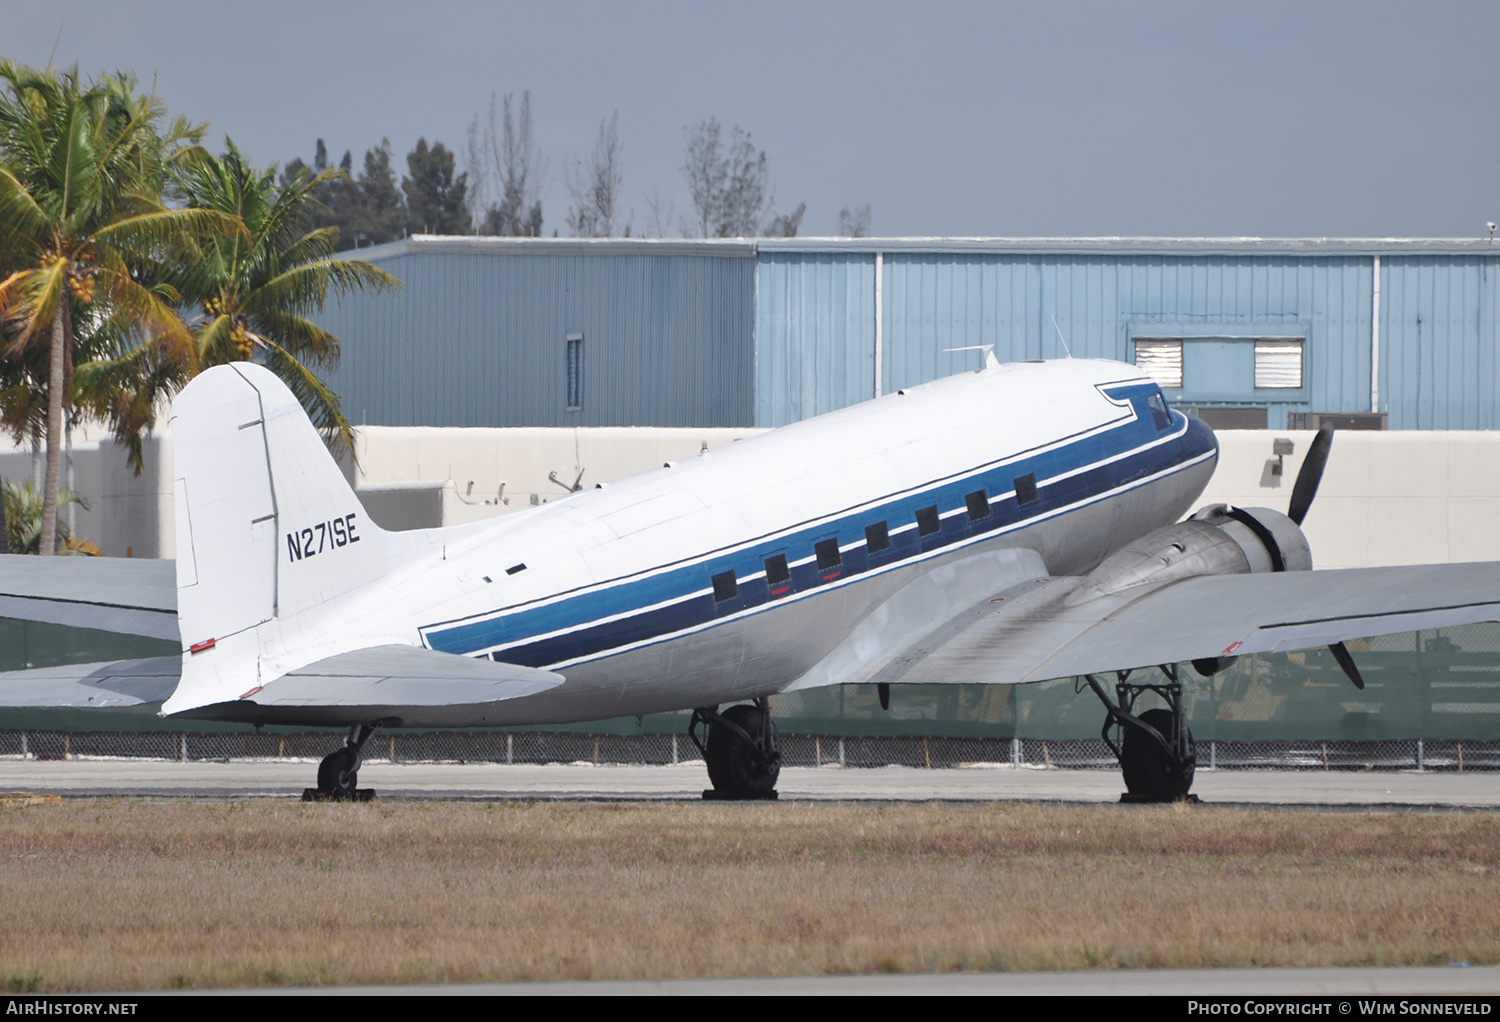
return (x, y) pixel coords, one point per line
(483, 781)
(1430, 984)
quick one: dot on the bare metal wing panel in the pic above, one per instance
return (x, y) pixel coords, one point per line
(92, 686)
(1036, 629)
(405, 684)
(1225, 615)
(137, 597)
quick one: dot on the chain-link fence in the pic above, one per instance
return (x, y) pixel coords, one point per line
(798, 750)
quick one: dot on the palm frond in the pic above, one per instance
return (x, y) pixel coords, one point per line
(301, 337)
(168, 226)
(303, 288)
(320, 403)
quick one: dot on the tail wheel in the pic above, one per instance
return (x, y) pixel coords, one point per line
(737, 769)
(338, 774)
(1149, 771)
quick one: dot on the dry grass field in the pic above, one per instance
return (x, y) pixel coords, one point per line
(138, 895)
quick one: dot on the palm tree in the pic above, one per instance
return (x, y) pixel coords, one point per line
(82, 226)
(23, 520)
(257, 293)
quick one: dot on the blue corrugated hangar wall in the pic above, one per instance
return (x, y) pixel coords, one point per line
(816, 312)
(479, 335)
(714, 333)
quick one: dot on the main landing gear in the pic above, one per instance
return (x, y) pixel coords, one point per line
(338, 774)
(743, 751)
(1155, 749)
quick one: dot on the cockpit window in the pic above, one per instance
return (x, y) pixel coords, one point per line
(1159, 413)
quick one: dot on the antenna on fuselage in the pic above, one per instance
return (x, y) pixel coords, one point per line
(1060, 337)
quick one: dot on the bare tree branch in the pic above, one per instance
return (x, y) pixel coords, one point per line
(595, 185)
(727, 182)
(506, 168)
(855, 222)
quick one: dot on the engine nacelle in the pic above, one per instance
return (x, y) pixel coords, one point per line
(1216, 540)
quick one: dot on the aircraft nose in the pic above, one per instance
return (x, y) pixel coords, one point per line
(1199, 438)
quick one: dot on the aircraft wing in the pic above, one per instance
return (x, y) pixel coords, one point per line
(1036, 629)
(138, 597)
(415, 686)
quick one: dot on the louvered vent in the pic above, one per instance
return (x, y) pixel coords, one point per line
(1162, 361)
(1278, 365)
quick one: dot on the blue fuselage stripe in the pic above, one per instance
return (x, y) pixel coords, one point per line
(631, 611)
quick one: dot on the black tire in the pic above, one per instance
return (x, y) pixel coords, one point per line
(338, 774)
(1147, 768)
(734, 769)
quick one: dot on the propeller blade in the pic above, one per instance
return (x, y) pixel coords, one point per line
(884, 691)
(1306, 486)
(1341, 654)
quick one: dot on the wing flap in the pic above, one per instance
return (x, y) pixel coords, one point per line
(929, 605)
(137, 597)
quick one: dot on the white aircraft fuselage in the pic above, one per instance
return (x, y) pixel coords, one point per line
(729, 575)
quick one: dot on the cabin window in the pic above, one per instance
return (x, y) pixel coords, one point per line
(726, 586)
(927, 520)
(877, 537)
(979, 505)
(777, 570)
(1026, 489)
(575, 372)
(828, 554)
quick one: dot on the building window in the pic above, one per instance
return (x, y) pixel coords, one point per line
(1278, 365)
(575, 372)
(1161, 360)
(927, 520)
(726, 586)
(877, 537)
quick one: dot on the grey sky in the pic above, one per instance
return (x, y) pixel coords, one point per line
(1299, 119)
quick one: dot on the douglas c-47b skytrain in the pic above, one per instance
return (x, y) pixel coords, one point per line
(1014, 524)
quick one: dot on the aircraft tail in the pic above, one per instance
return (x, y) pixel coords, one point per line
(267, 526)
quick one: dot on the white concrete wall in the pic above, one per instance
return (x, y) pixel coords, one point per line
(472, 465)
(1386, 498)
(129, 515)
(1401, 497)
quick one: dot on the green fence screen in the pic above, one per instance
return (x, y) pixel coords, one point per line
(1429, 684)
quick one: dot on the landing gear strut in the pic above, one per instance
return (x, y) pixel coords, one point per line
(743, 750)
(338, 774)
(1155, 750)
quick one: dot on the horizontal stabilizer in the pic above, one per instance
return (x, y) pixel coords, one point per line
(90, 686)
(137, 597)
(399, 685)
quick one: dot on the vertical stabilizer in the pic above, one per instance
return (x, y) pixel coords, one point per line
(267, 526)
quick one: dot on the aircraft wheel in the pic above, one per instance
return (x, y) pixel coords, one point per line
(338, 774)
(1149, 771)
(734, 769)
